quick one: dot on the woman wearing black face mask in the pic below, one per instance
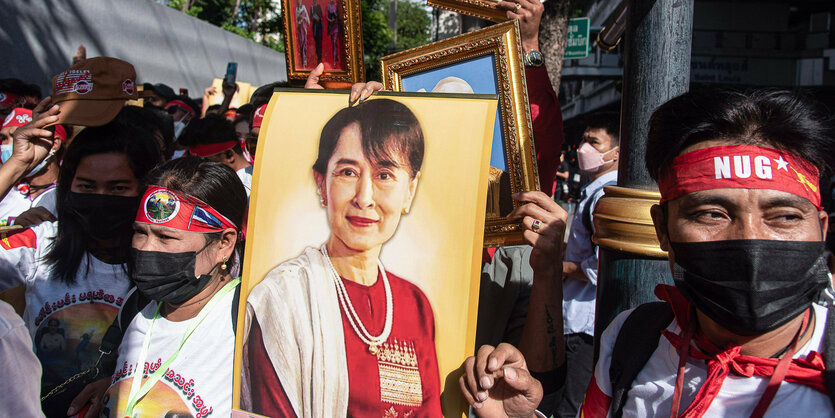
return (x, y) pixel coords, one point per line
(184, 247)
(74, 270)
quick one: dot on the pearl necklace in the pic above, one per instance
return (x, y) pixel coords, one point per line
(345, 301)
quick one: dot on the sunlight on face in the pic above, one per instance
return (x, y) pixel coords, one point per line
(364, 200)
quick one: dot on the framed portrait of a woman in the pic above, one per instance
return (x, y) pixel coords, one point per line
(487, 61)
(327, 32)
(364, 244)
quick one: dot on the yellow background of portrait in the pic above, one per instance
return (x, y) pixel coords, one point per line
(437, 245)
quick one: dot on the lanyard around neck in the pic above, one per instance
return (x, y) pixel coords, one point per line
(139, 390)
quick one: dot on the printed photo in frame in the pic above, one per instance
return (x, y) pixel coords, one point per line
(487, 61)
(436, 244)
(483, 9)
(326, 31)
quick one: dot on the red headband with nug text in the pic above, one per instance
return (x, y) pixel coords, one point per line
(740, 167)
(165, 207)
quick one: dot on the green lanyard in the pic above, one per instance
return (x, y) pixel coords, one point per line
(139, 390)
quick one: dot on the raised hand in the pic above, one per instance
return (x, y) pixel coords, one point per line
(497, 383)
(32, 143)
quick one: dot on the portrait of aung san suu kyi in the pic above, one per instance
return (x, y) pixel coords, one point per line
(332, 332)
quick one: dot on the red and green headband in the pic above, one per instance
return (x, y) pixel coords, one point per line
(165, 207)
(740, 167)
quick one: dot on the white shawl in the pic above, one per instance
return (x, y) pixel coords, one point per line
(297, 308)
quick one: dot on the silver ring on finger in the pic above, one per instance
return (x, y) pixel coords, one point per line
(518, 6)
(536, 225)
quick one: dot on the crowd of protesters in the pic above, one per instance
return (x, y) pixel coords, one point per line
(111, 272)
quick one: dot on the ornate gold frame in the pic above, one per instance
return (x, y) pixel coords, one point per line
(503, 42)
(484, 9)
(352, 37)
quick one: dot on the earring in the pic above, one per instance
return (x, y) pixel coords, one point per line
(223, 266)
(323, 202)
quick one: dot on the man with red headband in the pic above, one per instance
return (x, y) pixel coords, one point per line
(214, 137)
(38, 187)
(744, 330)
(182, 110)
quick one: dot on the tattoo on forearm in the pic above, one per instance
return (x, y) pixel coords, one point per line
(552, 331)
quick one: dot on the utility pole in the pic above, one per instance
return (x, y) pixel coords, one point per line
(656, 69)
(393, 25)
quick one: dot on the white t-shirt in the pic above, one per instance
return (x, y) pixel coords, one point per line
(245, 174)
(17, 202)
(66, 322)
(652, 391)
(197, 383)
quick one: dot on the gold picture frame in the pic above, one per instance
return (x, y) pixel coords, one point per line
(483, 9)
(501, 44)
(341, 52)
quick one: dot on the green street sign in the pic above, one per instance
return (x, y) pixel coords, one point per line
(577, 44)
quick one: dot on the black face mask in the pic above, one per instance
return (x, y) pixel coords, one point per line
(167, 277)
(103, 216)
(750, 287)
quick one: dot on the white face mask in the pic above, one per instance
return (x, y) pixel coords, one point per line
(179, 126)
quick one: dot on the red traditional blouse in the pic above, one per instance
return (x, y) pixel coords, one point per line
(401, 381)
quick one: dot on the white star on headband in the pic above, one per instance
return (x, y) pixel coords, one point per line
(782, 164)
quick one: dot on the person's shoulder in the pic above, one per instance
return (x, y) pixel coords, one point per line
(289, 273)
(9, 319)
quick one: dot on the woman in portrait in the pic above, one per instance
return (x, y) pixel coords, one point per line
(331, 332)
(302, 22)
(333, 29)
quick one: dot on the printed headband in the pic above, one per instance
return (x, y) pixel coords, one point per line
(182, 105)
(18, 117)
(165, 207)
(740, 167)
(258, 117)
(206, 150)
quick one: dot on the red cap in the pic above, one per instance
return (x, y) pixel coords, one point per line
(258, 117)
(18, 117)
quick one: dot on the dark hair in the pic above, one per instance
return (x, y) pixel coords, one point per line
(213, 129)
(387, 126)
(244, 112)
(153, 120)
(262, 95)
(118, 136)
(779, 119)
(214, 183)
(19, 87)
(607, 121)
